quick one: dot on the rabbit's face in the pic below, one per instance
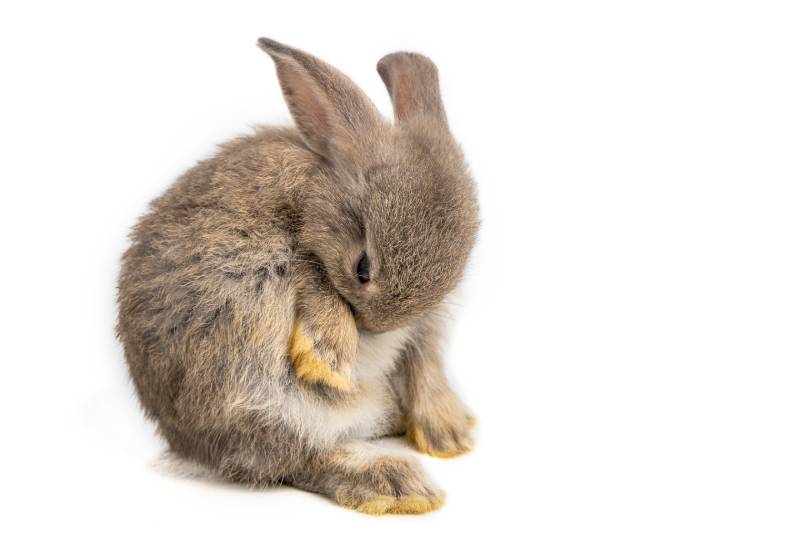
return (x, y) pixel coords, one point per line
(418, 221)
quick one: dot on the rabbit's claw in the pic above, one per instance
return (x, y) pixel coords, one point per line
(311, 364)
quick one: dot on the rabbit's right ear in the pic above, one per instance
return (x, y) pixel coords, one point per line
(413, 84)
(333, 115)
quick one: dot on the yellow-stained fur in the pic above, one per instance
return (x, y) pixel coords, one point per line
(381, 505)
(309, 366)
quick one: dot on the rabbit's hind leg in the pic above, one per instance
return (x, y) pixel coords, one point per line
(370, 479)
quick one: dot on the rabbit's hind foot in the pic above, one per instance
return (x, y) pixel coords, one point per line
(368, 479)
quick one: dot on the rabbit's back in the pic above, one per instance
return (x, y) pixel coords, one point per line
(207, 305)
(204, 291)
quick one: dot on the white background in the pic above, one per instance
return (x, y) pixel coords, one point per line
(629, 332)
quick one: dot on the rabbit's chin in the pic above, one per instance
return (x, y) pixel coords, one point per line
(367, 324)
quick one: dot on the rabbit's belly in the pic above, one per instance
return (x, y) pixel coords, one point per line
(370, 411)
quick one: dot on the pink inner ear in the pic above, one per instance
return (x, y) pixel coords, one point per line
(405, 104)
(307, 105)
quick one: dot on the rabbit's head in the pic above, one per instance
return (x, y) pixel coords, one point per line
(393, 215)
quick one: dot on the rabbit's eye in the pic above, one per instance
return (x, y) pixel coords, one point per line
(362, 268)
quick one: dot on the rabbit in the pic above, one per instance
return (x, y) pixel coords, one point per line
(280, 304)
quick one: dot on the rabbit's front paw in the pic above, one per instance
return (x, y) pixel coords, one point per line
(314, 358)
(389, 485)
(440, 428)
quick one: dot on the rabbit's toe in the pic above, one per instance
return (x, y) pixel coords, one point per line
(310, 366)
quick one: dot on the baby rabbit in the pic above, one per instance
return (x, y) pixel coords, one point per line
(280, 304)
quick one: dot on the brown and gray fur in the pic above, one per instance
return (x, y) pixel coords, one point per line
(254, 252)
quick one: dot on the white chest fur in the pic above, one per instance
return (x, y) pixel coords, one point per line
(371, 408)
(377, 354)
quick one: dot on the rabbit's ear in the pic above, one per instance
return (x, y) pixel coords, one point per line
(331, 112)
(413, 85)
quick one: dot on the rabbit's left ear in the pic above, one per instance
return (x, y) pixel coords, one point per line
(335, 118)
(413, 84)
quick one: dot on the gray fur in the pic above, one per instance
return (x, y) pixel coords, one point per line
(265, 235)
